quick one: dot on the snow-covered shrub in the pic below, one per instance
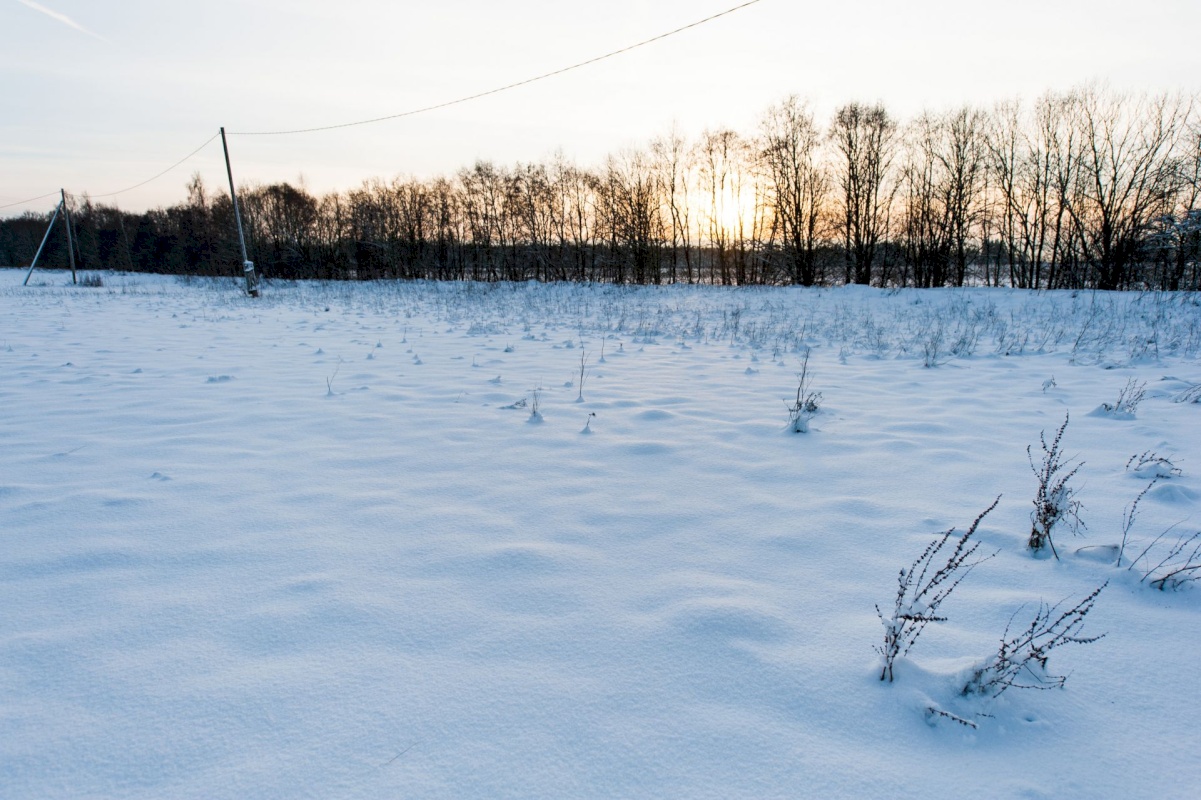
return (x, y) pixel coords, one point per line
(535, 404)
(1190, 395)
(1128, 399)
(932, 345)
(923, 587)
(966, 338)
(1150, 464)
(1055, 505)
(1130, 514)
(1169, 566)
(807, 402)
(1021, 659)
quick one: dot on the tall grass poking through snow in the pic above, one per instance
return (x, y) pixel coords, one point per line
(934, 326)
(922, 588)
(1055, 503)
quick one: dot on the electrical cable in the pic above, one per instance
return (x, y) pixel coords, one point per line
(161, 174)
(499, 89)
(128, 188)
(412, 112)
(30, 200)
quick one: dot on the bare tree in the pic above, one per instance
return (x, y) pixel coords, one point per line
(332, 234)
(281, 219)
(1059, 168)
(1022, 174)
(1126, 178)
(631, 203)
(745, 218)
(576, 192)
(1184, 224)
(963, 163)
(535, 211)
(451, 232)
(942, 179)
(671, 155)
(864, 138)
(924, 219)
(716, 152)
(485, 205)
(1033, 162)
(200, 224)
(799, 184)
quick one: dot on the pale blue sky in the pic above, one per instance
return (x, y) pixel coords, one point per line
(101, 95)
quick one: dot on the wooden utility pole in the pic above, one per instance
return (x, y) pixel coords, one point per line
(252, 280)
(70, 238)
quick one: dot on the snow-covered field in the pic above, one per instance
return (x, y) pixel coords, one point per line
(316, 545)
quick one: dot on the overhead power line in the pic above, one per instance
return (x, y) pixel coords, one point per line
(504, 88)
(414, 111)
(30, 200)
(128, 188)
(164, 172)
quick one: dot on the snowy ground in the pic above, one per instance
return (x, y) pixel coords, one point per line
(304, 547)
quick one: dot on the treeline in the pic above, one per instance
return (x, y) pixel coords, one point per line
(1085, 189)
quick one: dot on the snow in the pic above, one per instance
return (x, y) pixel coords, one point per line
(309, 546)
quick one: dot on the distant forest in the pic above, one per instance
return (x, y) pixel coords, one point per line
(1084, 189)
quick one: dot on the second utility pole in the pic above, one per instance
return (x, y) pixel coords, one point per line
(252, 280)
